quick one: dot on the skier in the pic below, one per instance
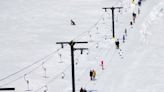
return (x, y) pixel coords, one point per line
(46, 90)
(81, 90)
(72, 22)
(94, 74)
(134, 17)
(139, 3)
(131, 23)
(84, 90)
(91, 74)
(125, 32)
(117, 44)
(102, 65)
(123, 38)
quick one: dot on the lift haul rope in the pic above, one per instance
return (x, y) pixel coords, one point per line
(36, 62)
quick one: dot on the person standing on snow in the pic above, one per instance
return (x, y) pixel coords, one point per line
(126, 32)
(102, 65)
(117, 44)
(139, 3)
(85, 90)
(94, 74)
(123, 38)
(81, 90)
(131, 23)
(91, 74)
(134, 17)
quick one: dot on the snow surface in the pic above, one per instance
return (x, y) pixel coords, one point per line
(30, 29)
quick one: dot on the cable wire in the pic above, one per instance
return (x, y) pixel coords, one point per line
(29, 65)
(34, 69)
(53, 79)
(90, 29)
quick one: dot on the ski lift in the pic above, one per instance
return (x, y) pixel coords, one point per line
(62, 46)
(81, 51)
(103, 20)
(88, 52)
(62, 75)
(90, 35)
(45, 71)
(97, 28)
(119, 10)
(60, 56)
(105, 37)
(77, 60)
(97, 45)
(46, 88)
(105, 9)
(28, 83)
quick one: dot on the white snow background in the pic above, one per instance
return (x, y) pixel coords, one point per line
(29, 30)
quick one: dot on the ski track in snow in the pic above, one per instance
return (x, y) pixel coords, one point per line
(156, 13)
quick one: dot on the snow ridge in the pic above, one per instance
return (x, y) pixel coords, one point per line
(156, 13)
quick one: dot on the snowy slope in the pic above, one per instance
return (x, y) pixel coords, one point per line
(142, 68)
(30, 29)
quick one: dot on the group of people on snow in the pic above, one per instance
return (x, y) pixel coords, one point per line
(83, 90)
(92, 74)
(117, 43)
